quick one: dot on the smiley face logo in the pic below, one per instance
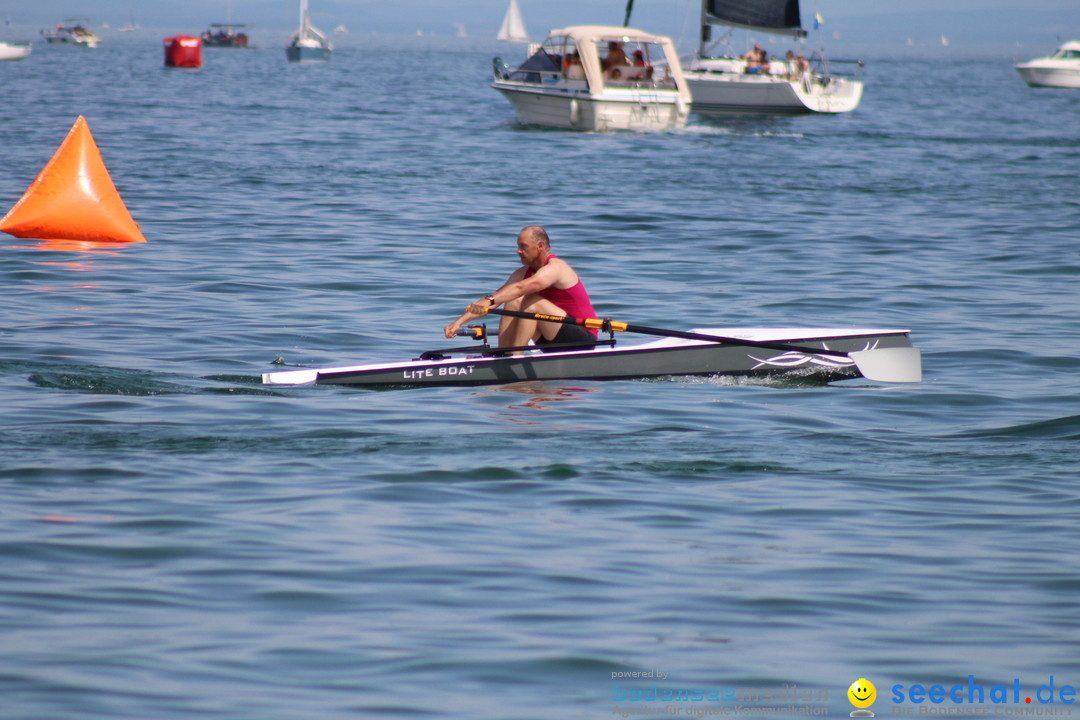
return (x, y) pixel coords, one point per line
(862, 693)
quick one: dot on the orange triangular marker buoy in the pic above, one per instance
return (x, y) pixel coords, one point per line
(73, 198)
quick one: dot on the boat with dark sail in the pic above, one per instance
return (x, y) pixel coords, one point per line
(825, 354)
(308, 44)
(797, 84)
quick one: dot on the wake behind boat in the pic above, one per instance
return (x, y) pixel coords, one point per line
(733, 85)
(576, 81)
(824, 354)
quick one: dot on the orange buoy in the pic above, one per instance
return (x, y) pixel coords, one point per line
(73, 198)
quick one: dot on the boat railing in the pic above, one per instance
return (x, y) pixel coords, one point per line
(828, 68)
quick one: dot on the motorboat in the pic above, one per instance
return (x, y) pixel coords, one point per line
(513, 25)
(1062, 69)
(76, 34)
(14, 51)
(823, 354)
(225, 35)
(729, 85)
(598, 78)
(307, 43)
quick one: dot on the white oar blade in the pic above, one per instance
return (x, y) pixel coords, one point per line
(903, 364)
(290, 377)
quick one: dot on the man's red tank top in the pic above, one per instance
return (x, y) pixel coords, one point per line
(574, 300)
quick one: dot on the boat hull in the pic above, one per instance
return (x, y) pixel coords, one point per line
(739, 94)
(301, 54)
(1049, 76)
(11, 51)
(569, 109)
(667, 357)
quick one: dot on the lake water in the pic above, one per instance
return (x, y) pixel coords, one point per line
(179, 541)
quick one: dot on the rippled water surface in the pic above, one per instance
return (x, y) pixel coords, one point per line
(179, 541)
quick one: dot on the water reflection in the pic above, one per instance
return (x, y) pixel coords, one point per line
(536, 396)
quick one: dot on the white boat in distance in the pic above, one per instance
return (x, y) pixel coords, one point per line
(307, 43)
(571, 82)
(14, 51)
(76, 35)
(732, 86)
(513, 26)
(1062, 69)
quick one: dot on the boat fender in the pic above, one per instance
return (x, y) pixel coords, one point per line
(575, 112)
(680, 106)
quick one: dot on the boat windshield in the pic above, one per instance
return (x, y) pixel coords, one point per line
(1067, 55)
(542, 61)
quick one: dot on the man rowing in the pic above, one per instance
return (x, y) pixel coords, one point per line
(545, 284)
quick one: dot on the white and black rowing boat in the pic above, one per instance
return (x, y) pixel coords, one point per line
(825, 354)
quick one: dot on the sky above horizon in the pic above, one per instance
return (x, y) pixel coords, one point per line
(971, 23)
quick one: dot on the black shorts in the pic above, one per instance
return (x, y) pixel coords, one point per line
(568, 334)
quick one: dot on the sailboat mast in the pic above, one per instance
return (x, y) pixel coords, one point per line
(706, 29)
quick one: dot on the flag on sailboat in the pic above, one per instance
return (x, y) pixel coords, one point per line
(818, 20)
(513, 26)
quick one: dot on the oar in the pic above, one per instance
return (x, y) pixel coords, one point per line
(902, 364)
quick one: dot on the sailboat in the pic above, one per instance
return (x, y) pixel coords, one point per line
(733, 85)
(308, 44)
(513, 26)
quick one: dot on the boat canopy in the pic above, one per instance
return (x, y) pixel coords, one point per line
(779, 17)
(1070, 50)
(589, 40)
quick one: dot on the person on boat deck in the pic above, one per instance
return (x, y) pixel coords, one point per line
(616, 56)
(544, 284)
(754, 59)
(802, 64)
(572, 68)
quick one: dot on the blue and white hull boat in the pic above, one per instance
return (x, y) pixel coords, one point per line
(308, 44)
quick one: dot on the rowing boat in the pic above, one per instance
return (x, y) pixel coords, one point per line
(824, 354)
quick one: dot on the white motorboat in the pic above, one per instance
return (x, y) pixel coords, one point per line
(513, 26)
(1062, 69)
(77, 35)
(598, 78)
(823, 354)
(307, 43)
(14, 51)
(730, 85)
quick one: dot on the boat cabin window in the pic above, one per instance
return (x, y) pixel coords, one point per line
(632, 62)
(1068, 55)
(541, 65)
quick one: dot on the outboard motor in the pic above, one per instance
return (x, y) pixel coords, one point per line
(502, 70)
